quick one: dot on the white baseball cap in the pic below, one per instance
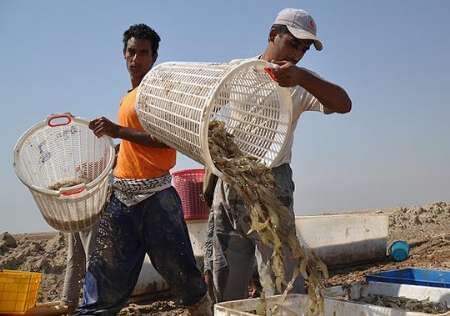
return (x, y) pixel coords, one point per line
(300, 23)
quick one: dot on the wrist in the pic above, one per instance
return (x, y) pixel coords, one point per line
(300, 76)
(117, 131)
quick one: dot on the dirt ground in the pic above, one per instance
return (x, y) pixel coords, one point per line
(426, 228)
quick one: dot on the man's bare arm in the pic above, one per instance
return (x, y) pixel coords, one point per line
(333, 97)
(103, 126)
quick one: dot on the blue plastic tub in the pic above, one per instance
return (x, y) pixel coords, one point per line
(415, 276)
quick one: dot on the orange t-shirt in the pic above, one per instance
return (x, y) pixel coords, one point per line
(136, 161)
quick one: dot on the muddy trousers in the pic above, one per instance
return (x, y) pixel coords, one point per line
(231, 254)
(240, 256)
(154, 226)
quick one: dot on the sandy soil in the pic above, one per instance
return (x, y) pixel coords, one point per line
(426, 228)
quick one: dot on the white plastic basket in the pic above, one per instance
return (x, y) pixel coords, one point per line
(63, 148)
(176, 102)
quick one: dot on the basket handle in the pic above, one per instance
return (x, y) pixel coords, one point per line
(54, 120)
(270, 73)
(269, 70)
(75, 189)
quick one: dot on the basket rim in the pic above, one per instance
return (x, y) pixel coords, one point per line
(20, 272)
(20, 142)
(187, 171)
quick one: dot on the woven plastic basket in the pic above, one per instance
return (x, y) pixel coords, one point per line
(177, 101)
(189, 185)
(63, 151)
(18, 291)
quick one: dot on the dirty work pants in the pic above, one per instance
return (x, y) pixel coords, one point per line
(80, 246)
(230, 252)
(154, 226)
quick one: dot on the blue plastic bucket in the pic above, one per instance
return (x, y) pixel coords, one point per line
(399, 250)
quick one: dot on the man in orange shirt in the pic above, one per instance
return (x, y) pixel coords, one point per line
(144, 214)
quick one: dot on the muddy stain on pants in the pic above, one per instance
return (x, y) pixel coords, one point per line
(230, 253)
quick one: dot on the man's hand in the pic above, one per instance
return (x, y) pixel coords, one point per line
(286, 74)
(102, 126)
(333, 97)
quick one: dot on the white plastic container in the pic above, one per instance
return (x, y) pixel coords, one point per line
(295, 304)
(337, 238)
(176, 102)
(197, 234)
(340, 239)
(61, 149)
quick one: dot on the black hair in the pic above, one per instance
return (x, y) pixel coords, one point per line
(142, 31)
(280, 29)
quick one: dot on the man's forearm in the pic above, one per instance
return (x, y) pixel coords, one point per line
(139, 137)
(330, 95)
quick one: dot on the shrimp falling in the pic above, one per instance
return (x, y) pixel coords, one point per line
(270, 219)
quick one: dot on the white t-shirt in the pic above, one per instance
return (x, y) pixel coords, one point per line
(302, 101)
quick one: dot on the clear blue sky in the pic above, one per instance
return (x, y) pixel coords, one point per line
(391, 56)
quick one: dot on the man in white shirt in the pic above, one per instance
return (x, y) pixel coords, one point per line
(230, 251)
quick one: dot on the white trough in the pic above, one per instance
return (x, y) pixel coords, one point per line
(336, 238)
(336, 305)
(340, 239)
